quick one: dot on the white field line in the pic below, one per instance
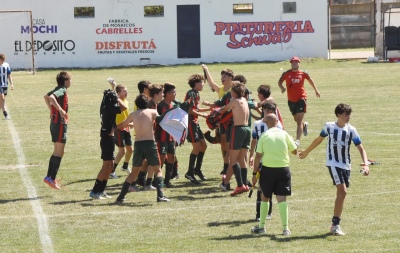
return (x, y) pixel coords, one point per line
(163, 210)
(45, 239)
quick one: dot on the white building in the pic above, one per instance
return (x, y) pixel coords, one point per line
(186, 31)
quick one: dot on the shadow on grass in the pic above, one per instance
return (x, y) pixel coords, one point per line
(235, 223)
(5, 201)
(278, 238)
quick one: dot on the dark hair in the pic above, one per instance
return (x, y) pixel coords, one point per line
(240, 78)
(195, 78)
(61, 77)
(227, 72)
(141, 101)
(238, 88)
(155, 89)
(168, 87)
(343, 108)
(265, 90)
(143, 85)
(269, 106)
(120, 87)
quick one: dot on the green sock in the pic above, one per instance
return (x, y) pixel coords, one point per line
(283, 212)
(263, 213)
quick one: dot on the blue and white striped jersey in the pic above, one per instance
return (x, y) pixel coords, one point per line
(338, 146)
(5, 70)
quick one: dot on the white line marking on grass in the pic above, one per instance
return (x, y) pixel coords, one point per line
(47, 244)
(162, 210)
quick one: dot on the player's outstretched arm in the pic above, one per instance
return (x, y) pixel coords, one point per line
(303, 153)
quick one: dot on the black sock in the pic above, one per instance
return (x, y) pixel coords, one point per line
(238, 174)
(5, 113)
(225, 170)
(175, 169)
(199, 161)
(125, 165)
(115, 167)
(96, 187)
(244, 175)
(192, 161)
(124, 191)
(141, 176)
(51, 166)
(56, 166)
(134, 183)
(270, 206)
(103, 185)
(335, 220)
(168, 171)
(258, 204)
(159, 183)
(148, 181)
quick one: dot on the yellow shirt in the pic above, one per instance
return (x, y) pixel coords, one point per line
(124, 114)
(221, 91)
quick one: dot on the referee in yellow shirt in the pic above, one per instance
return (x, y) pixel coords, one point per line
(275, 178)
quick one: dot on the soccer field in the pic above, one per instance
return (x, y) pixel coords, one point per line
(199, 218)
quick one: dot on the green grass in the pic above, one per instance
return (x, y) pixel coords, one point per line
(201, 218)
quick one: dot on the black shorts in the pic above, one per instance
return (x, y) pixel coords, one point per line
(297, 107)
(145, 150)
(122, 138)
(3, 90)
(107, 148)
(339, 175)
(166, 147)
(194, 133)
(276, 181)
(58, 132)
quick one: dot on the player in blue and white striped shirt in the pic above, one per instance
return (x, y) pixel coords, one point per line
(5, 77)
(340, 135)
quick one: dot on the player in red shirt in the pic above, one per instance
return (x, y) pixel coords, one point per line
(297, 96)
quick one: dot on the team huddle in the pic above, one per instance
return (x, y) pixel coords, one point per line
(263, 146)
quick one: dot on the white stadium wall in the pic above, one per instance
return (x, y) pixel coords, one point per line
(120, 35)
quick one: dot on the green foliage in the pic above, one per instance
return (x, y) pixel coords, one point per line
(84, 12)
(201, 218)
(156, 10)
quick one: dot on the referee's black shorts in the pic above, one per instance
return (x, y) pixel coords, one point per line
(275, 181)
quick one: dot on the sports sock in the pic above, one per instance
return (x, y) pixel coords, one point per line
(159, 184)
(263, 213)
(5, 113)
(258, 204)
(115, 167)
(238, 174)
(192, 161)
(335, 220)
(103, 185)
(243, 172)
(175, 168)
(148, 181)
(124, 191)
(141, 176)
(168, 170)
(199, 161)
(225, 170)
(125, 165)
(96, 187)
(283, 212)
(270, 207)
(51, 166)
(56, 166)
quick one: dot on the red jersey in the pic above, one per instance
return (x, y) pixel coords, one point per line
(161, 135)
(295, 84)
(195, 95)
